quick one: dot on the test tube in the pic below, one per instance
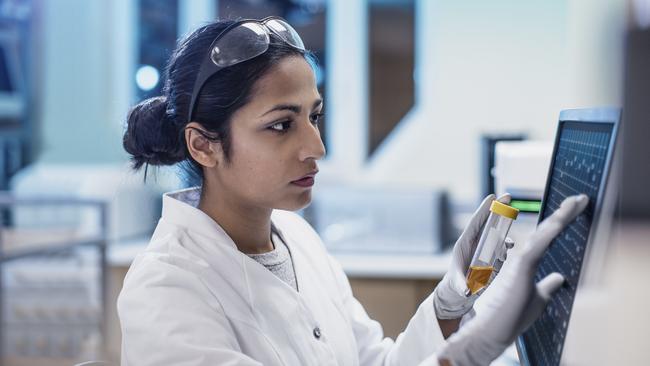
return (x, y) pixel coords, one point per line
(489, 245)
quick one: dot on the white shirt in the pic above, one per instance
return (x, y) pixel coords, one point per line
(192, 298)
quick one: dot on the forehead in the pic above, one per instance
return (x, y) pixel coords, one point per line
(291, 80)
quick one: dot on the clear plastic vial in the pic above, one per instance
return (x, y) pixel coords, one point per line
(490, 245)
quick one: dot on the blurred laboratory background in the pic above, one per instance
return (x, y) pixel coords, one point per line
(430, 105)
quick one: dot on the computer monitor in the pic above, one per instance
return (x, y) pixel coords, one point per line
(488, 147)
(635, 131)
(12, 95)
(582, 155)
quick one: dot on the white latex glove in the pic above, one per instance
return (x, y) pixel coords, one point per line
(513, 301)
(451, 298)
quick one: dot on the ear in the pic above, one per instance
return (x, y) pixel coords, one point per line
(204, 151)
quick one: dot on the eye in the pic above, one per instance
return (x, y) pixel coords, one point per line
(316, 118)
(281, 127)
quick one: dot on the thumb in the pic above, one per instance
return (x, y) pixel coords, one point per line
(548, 285)
(544, 289)
(458, 283)
(473, 228)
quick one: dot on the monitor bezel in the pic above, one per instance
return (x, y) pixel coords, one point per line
(610, 116)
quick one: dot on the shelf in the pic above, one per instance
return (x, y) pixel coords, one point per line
(354, 265)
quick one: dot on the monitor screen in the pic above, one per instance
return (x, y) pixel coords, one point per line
(580, 164)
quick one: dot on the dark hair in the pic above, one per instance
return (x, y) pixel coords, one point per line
(155, 131)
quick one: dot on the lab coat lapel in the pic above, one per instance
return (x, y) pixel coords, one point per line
(263, 300)
(318, 295)
(278, 310)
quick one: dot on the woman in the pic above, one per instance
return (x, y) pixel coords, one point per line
(231, 276)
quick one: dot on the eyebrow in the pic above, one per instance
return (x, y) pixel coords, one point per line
(295, 108)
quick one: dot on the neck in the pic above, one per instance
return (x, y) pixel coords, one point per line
(249, 227)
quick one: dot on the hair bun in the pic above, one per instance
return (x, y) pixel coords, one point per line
(151, 136)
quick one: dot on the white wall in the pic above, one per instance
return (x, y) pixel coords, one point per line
(498, 66)
(87, 61)
(194, 13)
(346, 102)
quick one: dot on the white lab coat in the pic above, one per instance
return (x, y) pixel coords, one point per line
(191, 298)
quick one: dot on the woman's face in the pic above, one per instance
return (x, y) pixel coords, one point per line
(275, 140)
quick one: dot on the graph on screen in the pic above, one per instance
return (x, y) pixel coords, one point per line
(579, 165)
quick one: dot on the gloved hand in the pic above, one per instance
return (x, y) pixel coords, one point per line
(451, 298)
(513, 301)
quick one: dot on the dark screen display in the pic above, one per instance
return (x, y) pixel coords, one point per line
(578, 167)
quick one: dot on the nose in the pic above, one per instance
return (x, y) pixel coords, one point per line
(311, 145)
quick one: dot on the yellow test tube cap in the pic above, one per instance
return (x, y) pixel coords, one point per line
(504, 210)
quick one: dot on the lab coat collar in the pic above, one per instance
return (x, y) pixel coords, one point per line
(181, 208)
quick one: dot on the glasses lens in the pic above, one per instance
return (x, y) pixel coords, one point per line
(241, 43)
(286, 32)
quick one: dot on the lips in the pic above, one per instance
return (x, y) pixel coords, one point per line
(306, 181)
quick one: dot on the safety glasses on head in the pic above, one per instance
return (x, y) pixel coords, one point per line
(239, 42)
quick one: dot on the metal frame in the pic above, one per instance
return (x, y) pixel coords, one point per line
(8, 200)
(595, 115)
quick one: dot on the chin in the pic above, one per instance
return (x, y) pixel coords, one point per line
(297, 202)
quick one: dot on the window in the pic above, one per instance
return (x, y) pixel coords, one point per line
(158, 20)
(391, 61)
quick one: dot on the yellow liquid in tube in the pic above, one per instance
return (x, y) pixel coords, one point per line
(478, 277)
